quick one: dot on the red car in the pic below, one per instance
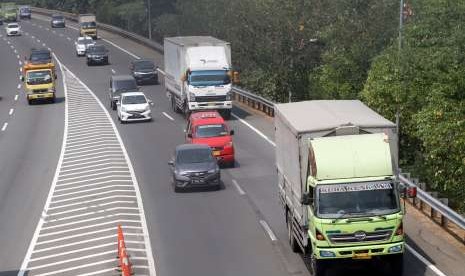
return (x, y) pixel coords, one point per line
(208, 127)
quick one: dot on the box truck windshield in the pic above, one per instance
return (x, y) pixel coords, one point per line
(209, 78)
(357, 199)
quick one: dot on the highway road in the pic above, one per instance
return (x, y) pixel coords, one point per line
(238, 230)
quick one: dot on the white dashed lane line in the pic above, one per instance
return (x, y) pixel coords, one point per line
(11, 111)
(5, 125)
(168, 116)
(16, 97)
(19, 85)
(94, 190)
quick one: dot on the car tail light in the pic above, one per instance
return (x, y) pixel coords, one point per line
(400, 229)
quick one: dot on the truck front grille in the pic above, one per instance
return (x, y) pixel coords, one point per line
(210, 99)
(360, 236)
(36, 91)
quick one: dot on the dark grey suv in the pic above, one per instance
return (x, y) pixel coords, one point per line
(97, 54)
(194, 167)
(120, 84)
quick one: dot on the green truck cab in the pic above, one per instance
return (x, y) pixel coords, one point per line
(337, 167)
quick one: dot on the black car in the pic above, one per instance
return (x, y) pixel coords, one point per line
(194, 167)
(58, 21)
(39, 56)
(120, 84)
(144, 71)
(97, 54)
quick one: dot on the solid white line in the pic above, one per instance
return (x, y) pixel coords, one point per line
(11, 111)
(428, 264)
(168, 116)
(61, 179)
(239, 189)
(4, 126)
(35, 236)
(268, 230)
(16, 97)
(148, 245)
(92, 195)
(75, 251)
(94, 170)
(111, 163)
(90, 207)
(75, 267)
(254, 129)
(90, 201)
(19, 85)
(90, 180)
(91, 219)
(122, 49)
(93, 189)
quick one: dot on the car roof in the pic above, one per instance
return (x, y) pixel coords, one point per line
(142, 60)
(191, 146)
(84, 37)
(39, 51)
(206, 117)
(9, 24)
(122, 78)
(135, 93)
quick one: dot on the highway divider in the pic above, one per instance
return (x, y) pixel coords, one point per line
(436, 209)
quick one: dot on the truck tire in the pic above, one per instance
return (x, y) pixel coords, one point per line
(29, 101)
(292, 241)
(318, 267)
(396, 264)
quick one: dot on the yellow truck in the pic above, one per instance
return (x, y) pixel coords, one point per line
(87, 25)
(39, 83)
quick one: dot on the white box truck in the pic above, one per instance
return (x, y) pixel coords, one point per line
(198, 74)
(337, 167)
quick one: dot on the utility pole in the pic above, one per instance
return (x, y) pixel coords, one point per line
(149, 19)
(401, 26)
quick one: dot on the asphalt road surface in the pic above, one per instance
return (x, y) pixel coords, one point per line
(238, 230)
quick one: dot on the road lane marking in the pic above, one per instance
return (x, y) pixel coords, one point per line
(113, 160)
(75, 243)
(90, 201)
(254, 129)
(68, 38)
(11, 111)
(15, 51)
(5, 125)
(268, 230)
(108, 166)
(74, 28)
(86, 208)
(91, 219)
(113, 71)
(79, 160)
(38, 41)
(20, 62)
(93, 190)
(18, 57)
(76, 251)
(61, 271)
(16, 97)
(239, 189)
(428, 264)
(44, 45)
(121, 48)
(19, 85)
(168, 116)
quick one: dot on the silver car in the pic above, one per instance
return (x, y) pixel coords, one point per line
(194, 167)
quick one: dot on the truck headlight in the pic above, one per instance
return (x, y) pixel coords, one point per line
(395, 249)
(327, 254)
(192, 97)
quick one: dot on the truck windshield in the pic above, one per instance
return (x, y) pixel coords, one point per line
(88, 25)
(357, 199)
(209, 78)
(39, 77)
(205, 131)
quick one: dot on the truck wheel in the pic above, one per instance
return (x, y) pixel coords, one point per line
(292, 241)
(318, 266)
(174, 105)
(396, 263)
(29, 101)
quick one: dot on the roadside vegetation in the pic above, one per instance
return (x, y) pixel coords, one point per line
(319, 49)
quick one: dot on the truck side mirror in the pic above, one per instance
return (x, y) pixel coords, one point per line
(235, 77)
(189, 135)
(231, 132)
(171, 163)
(306, 199)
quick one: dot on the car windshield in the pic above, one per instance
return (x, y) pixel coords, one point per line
(357, 199)
(85, 41)
(143, 65)
(216, 130)
(97, 49)
(209, 78)
(125, 85)
(25, 10)
(13, 25)
(40, 56)
(136, 99)
(189, 156)
(39, 77)
(57, 17)
(88, 25)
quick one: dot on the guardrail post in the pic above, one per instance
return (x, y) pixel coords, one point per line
(444, 220)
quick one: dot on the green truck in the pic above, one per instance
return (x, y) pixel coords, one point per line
(337, 164)
(8, 12)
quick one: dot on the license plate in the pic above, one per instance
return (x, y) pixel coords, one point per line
(212, 104)
(196, 181)
(216, 153)
(361, 256)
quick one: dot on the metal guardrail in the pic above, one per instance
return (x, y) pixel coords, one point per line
(436, 207)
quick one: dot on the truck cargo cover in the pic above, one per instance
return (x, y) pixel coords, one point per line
(314, 116)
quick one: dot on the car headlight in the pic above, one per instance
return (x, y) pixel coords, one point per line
(212, 171)
(192, 97)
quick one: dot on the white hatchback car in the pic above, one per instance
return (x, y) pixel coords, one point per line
(13, 29)
(134, 106)
(82, 44)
